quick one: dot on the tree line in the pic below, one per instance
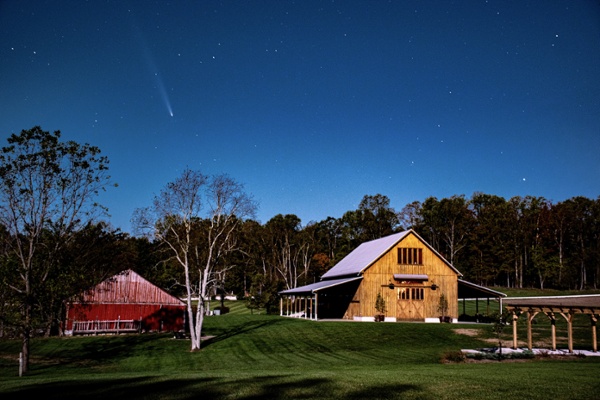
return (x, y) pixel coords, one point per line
(199, 238)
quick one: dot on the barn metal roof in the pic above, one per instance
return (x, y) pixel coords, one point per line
(364, 255)
(315, 287)
(128, 287)
(367, 253)
(469, 290)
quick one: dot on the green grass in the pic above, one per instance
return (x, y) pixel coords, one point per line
(260, 356)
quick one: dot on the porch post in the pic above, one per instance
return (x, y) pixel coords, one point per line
(305, 307)
(316, 305)
(594, 319)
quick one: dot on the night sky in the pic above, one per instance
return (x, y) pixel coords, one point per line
(314, 104)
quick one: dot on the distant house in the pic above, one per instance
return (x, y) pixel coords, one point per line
(124, 303)
(402, 268)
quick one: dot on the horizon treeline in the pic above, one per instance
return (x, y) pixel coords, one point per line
(518, 242)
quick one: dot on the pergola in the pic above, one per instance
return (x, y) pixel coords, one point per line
(566, 306)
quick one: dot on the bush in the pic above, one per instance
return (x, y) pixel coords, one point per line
(454, 356)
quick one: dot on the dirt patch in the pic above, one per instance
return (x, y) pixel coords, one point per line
(468, 332)
(474, 333)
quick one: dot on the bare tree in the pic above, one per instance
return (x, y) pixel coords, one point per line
(46, 192)
(199, 245)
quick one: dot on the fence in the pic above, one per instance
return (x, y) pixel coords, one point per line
(107, 326)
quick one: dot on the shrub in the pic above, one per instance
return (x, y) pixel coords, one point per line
(454, 356)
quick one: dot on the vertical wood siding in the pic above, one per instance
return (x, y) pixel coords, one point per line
(378, 276)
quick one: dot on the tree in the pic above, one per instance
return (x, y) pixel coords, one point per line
(490, 253)
(410, 216)
(457, 221)
(582, 231)
(47, 189)
(198, 245)
(291, 251)
(377, 217)
(373, 219)
(500, 321)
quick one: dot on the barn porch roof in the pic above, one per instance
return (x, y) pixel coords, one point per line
(469, 290)
(315, 287)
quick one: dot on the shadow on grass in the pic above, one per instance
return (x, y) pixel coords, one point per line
(104, 349)
(238, 330)
(265, 387)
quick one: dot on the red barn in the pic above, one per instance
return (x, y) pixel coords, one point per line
(125, 303)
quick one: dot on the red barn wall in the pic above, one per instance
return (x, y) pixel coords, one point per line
(154, 317)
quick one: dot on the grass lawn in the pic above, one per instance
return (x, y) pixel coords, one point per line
(260, 356)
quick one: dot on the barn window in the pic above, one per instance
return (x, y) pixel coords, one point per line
(411, 293)
(403, 294)
(410, 256)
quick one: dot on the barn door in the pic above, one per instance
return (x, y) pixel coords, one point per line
(410, 305)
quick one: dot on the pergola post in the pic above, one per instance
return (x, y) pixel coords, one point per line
(514, 323)
(281, 307)
(569, 318)
(530, 316)
(553, 326)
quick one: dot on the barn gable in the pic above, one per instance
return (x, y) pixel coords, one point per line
(368, 253)
(125, 302)
(128, 287)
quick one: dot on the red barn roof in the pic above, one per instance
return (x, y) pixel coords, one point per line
(128, 287)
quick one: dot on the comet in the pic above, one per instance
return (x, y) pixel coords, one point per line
(153, 68)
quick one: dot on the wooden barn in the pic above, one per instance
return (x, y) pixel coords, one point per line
(411, 277)
(124, 303)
